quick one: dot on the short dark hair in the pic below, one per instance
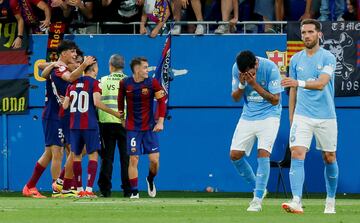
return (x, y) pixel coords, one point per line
(314, 22)
(137, 61)
(90, 67)
(79, 56)
(245, 60)
(66, 45)
(117, 61)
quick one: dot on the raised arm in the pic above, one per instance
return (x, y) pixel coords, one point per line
(86, 8)
(70, 77)
(47, 68)
(272, 98)
(238, 93)
(45, 7)
(238, 84)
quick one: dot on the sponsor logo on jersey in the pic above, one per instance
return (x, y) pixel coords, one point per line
(255, 97)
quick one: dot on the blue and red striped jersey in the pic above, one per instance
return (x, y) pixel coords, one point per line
(82, 107)
(55, 87)
(139, 102)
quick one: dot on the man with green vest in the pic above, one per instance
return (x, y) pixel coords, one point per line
(112, 131)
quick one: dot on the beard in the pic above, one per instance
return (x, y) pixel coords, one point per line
(310, 45)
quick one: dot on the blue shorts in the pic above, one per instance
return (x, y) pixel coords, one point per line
(79, 138)
(53, 132)
(65, 125)
(142, 142)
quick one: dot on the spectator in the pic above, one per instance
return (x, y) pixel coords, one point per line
(325, 14)
(31, 17)
(351, 12)
(8, 11)
(308, 14)
(298, 10)
(270, 10)
(176, 6)
(59, 10)
(155, 11)
(196, 6)
(227, 6)
(81, 11)
(124, 11)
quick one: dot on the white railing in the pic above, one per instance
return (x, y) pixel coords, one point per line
(244, 25)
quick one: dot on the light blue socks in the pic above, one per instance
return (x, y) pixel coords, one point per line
(331, 173)
(297, 177)
(262, 176)
(244, 169)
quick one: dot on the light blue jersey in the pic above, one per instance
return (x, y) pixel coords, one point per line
(314, 103)
(255, 106)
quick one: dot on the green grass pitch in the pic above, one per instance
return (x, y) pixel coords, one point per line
(171, 207)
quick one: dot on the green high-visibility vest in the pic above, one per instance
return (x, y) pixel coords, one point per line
(110, 88)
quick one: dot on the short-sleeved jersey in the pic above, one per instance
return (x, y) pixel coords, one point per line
(139, 101)
(314, 103)
(255, 106)
(8, 9)
(55, 87)
(82, 107)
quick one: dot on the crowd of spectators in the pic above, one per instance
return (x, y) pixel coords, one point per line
(92, 16)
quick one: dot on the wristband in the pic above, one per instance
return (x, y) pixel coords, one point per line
(301, 83)
(242, 86)
(21, 36)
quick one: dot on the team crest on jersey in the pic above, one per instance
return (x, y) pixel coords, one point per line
(292, 138)
(133, 149)
(145, 91)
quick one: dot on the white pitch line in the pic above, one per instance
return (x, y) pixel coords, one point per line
(96, 202)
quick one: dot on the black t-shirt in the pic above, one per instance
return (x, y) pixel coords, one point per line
(122, 11)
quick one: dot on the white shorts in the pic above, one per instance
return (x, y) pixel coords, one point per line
(324, 130)
(246, 131)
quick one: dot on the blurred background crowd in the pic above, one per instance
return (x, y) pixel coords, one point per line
(191, 16)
